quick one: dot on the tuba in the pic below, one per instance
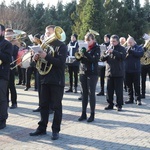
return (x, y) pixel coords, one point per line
(145, 60)
(42, 65)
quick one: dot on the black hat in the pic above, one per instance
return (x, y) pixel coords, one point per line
(107, 35)
(75, 35)
(37, 35)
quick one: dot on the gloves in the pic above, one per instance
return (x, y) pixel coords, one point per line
(83, 50)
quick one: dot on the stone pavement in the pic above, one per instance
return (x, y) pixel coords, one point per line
(111, 130)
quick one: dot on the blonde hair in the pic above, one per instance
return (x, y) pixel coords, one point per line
(89, 36)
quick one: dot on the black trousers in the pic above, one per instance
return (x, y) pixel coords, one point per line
(115, 84)
(88, 84)
(73, 73)
(145, 70)
(101, 73)
(38, 84)
(133, 82)
(12, 88)
(21, 75)
(3, 100)
(51, 94)
(29, 72)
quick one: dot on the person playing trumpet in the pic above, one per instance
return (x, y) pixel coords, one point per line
(133, 70)
(89, 75)
(114, 57)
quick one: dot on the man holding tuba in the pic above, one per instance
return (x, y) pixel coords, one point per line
(52, 82)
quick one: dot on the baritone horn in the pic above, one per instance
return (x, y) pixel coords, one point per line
(145, 60)
(42, 65)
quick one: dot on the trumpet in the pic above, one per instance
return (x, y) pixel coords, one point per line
(107, 52)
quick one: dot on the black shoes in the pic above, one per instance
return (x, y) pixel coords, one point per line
(80, 98)
(2, 124)
(83, 117)
(109, 107)
(69, 90)
(91, 118)
(138, 103)
(13, 106)
(100, 94)
(55, 136)
(119, 108)
(18, 83)
(129, 102)
(37, 110)
(38, 132)
(26, 88)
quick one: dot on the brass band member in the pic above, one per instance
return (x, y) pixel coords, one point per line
(114, 58)
(5, 59)
(102, 67)
(73, 67)
(52, 86)
(89, 75)
(11, 86)
(133, 70)
(145, 66)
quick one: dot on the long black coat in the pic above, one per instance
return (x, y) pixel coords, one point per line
(5, 57)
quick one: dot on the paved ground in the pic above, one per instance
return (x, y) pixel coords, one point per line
(111, 130)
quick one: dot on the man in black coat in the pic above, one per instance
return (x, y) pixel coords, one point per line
(5, 59)
(114, 57)
(52, 86)
(9, 36)
(133, 70)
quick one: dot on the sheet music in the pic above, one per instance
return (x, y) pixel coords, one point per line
(36, 48)
(83, 44)
(103, 48)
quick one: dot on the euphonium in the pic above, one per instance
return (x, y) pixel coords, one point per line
(42, 65)
(145, 60)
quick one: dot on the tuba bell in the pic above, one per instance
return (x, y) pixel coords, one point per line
(42, 65)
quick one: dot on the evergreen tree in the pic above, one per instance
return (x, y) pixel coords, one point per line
(77, 18)
(92, 17)
(146, 11)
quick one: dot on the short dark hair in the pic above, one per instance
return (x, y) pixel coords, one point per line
(2, 27)
(115, 37)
